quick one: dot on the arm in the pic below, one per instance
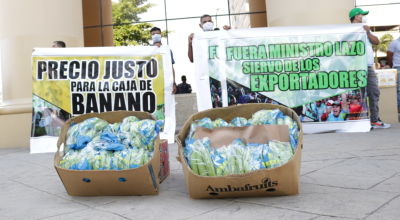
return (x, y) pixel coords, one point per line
(328, 110)
(345, 104)
(190, 50)
(158, 44)
(389, 58)
(374, 39)
(174, 85)
(226, 27)
(315, 113)
(324, 117)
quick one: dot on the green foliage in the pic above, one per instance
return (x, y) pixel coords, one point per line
(128, 11)
(138, 34)
(383, 45)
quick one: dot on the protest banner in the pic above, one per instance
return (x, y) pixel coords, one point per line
(319, 71)
(68, 82)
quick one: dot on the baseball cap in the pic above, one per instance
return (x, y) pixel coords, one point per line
(357, 11)
(330, 102)
(336, 103)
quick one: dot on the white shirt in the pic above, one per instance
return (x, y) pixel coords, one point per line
(394, 47)
(370, 51)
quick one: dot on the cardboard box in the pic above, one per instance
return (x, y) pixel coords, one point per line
(388, 111)
(164, 160)
(279, 181)
(143, 180)
(387, 82)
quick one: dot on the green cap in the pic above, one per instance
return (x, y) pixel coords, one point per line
(357, 11)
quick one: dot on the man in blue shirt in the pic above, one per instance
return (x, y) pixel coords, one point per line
(156, 37)
(393, 58)
(319, 110)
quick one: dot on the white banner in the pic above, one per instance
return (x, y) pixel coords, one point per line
(72, 81)
(318, 71)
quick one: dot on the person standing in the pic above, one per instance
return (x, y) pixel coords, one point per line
(156, 38)
(206, 24)
(59, 44)
(319, 110)
(393, 58)
(357, 15)
(355, 108)
(184, 87)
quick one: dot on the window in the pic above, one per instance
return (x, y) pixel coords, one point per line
(1, 82)
(168, 15)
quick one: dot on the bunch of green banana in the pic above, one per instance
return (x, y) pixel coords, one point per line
(282, 149)
(102, 160)
(139, 157)
(69, 160)
(112, 128)
(253, 156)
(270, 159)
(121, 159)
(238, 122)
(237, 157)
(200, 158)
(219, 122)
(136, 139)
(265, 117)
(219, 158)
(293, 129)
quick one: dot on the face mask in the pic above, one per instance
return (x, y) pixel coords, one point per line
(364, 19)
(208, 26)
(156, 38)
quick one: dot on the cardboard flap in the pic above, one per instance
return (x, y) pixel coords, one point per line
(230, 112)
(224, 136)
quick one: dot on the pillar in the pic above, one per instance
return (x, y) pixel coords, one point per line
(308, 12)
(95, 14)
(25, 24)
(258, 20)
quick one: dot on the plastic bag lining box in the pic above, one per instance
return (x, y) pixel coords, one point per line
(164, 160)
(143, 180)
(279, 181)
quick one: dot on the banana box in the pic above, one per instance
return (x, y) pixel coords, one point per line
(278, 181)
(143, 180)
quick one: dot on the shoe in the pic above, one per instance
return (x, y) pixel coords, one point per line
(379, 124)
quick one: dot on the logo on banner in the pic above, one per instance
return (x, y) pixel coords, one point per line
(266, 184)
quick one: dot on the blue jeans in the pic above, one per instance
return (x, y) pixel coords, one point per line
(398, 86)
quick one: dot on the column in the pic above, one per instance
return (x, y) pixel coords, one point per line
(25, 24)
(308, 12)
(95, 14)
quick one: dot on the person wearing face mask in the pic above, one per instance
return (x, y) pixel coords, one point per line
(156, 38)
(393, 58)
(357, 15)
(206, 24)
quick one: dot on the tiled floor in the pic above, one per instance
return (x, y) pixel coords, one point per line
(343, 176)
